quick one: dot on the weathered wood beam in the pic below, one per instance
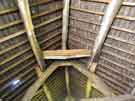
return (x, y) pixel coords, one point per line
(25, 12)
(47, 93)
(67, 80)
(45, 87)
(66, 54)
(88, 89)
(26, 16)
(110, 14)
(65, 23)
(96, 82)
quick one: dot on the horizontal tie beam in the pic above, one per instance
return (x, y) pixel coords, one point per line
(66, 54)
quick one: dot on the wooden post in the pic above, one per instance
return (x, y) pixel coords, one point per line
(26, 16)
(65, 22)
(109, 16)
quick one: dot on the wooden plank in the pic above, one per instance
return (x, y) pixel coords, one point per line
(66, 54)
(26, 16)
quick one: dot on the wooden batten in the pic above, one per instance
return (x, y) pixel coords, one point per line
(109, 16)
(26, 16)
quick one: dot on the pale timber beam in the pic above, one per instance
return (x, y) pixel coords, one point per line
(109, 16)
(65, 23)
(66, 54)
(26, 16)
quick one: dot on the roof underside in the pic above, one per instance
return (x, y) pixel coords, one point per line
(116, 64)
